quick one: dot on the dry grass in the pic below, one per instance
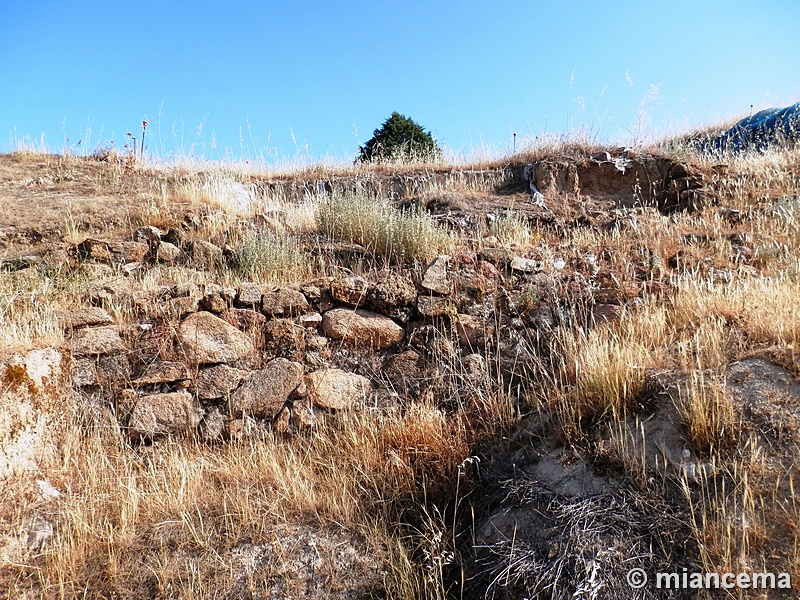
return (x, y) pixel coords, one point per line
(397, 236)
(122, 509)
(604, 369)
(511, 228)
(272, 258)
(709, 414)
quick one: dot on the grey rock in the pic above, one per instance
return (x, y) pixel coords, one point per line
(283, 337)
(148, 234)
(164, 414)
(434, 306)
(362, 328)
(436, 278)
(284, 302)
(393, 296)
(162, 372)
(217, 382)
(168, 253)
(96, 340)
(205, 254)
(248, 295)
(262, 394)
(84, 317)
(213, 303)
(110, 252)
(311, 320)
(212, 427)
(113, 370)
(176, 309)
(350, 290)
(83, 372)
(187, 289)
(206, 338)
(336, 389)
(304, 416)
(526, 265)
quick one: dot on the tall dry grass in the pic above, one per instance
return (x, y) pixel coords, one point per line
(123, 513)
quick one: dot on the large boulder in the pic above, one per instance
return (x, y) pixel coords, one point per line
(361, 327)
(208, 339)
(96, 340)
(263, 393)
(336, 389)
(164, 414)
(350, 290)
(33, 410)
(284, 302)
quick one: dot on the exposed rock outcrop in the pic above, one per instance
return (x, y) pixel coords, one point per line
(758, 132)
(625, 181)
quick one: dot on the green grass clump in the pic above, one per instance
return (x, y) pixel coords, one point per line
(399, 236)
(270, 257)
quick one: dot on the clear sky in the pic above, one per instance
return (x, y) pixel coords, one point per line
(313, 79)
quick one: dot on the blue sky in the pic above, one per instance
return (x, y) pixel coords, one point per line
(282, 80)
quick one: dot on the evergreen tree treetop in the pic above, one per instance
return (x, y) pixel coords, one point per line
(399, 138)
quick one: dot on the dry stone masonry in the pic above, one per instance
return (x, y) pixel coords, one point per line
(213, 361)
(223, 362)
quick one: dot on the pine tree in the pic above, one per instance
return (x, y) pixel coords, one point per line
(399, 138)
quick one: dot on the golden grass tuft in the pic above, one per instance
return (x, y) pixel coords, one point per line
(397, 236)
(708, 413)
(512, 228)
(271, 257)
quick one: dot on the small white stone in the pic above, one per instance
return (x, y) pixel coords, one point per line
(47, 491)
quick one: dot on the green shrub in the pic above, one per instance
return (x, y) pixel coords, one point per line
(399, 138)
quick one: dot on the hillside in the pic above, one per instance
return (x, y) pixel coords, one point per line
(518, 379)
